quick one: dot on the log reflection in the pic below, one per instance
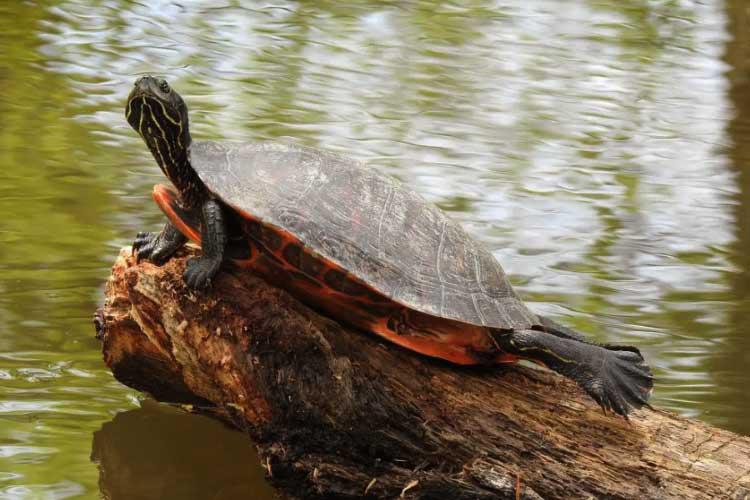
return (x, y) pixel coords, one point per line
(160, 453)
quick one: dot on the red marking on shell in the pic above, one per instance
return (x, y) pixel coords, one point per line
(165, 198)
(436, 337)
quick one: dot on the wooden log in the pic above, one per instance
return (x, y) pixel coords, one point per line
(338, 413)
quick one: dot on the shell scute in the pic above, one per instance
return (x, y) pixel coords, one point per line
(385, 236)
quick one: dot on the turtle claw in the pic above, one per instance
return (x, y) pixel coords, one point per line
(200, 271)
(622, 383)
(157, 247)
(144, 245)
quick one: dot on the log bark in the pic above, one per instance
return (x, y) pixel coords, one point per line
(338, 413)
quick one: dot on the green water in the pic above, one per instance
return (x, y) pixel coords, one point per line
(601, 150)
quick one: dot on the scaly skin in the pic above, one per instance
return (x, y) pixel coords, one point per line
(200, 271)
(159, 115)
(158, 247)
(618, 379)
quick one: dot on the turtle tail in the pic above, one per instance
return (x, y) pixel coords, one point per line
(616, 377)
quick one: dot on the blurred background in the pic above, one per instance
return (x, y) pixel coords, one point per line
(600, 148)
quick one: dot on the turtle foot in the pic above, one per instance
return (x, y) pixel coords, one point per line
(144, 244)
(616, 377)
(623, 381)
(200, 271)
(157, 247)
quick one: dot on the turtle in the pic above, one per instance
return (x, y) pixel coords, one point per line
(358, 246)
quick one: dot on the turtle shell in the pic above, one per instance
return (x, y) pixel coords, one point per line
(368, 223)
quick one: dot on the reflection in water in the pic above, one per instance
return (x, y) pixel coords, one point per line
(160, 453)
(599, 150)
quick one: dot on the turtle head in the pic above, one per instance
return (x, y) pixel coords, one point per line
(160, 117)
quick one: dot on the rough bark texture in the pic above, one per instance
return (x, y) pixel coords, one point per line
(337, 413)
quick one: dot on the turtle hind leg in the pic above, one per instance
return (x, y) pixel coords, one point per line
(615, 377)
(558, 330)
(562, 331)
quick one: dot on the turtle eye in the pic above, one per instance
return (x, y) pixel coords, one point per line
(164, 86)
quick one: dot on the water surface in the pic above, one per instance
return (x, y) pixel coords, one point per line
(599, 150)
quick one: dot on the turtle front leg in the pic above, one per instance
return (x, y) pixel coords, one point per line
(201, 270)
(158, 247)
(617, 377)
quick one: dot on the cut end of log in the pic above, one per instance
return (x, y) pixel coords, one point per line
(339, 413)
